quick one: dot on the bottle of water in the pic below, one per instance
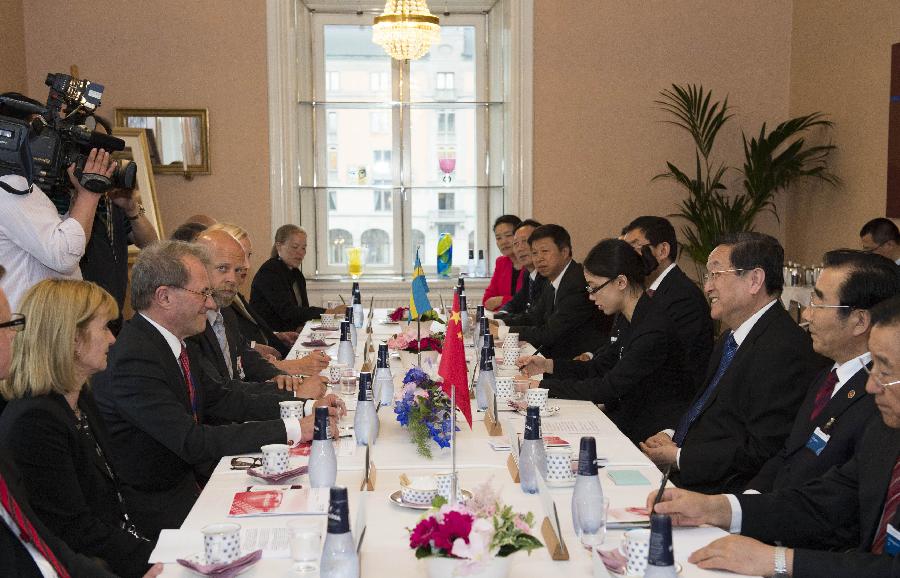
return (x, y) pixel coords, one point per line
(463, 313)
(481, 267)
(384, 381)
(365, 420)
(349, 317)
(357, 307)
(461, 283)
(484, 387)
(346, 352)
(588, 512)
(322, 460)
(532, 457)
(661, 561)
(470, 266)
(339, 558)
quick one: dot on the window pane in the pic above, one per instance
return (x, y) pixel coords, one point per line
(356, 69)
(444, 147)
(437, 211)
(447, 72)
(353, 221)
(361, 156)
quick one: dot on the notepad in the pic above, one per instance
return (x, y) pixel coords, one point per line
(628, 478)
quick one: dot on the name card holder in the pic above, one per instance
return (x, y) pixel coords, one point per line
(368, 482)
(491, 419)
(550, 528)
(512, 462)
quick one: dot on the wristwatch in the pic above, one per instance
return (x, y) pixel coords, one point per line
(140, 213)
(780, 563)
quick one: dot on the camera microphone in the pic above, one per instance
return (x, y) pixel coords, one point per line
(106, 142)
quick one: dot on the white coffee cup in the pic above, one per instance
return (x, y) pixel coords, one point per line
(222, 543)
(443, 485)
(317, 336)
(510, 356)
(511, 341)
(291, 409)
(505, 387)
(559, 466)
(335, 371)
(275, 458)
(328, 320)
(537, 396)
(636, 548)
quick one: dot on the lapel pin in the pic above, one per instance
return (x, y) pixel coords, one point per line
(851, 394)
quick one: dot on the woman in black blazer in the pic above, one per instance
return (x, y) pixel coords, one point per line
(278, 290)
(52, 428)
(640, 376)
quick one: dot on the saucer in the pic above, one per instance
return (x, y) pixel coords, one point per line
(396, 499)
(258, 474)
(197, 564)
(561, 483)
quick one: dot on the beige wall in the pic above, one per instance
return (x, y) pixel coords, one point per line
(174, 54)
(840, 64)
(12, 39)
(598, 66)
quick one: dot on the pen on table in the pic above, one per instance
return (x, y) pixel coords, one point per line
(342, 299)
(662, 487)
(297, 487)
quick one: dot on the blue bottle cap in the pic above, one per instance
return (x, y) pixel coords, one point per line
(487, 360)
(462, 302)
(479, 311)
(345, 330)
(533, 423)
(320, 425)
(661, 552)
(355, 289)
(365, 386)
(587, 457)
(461, 283)
(338, 511)
(348, 315)
(382, 355)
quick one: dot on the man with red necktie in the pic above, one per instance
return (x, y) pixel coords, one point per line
(864, 492)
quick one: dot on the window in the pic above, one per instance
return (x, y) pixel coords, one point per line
(332, 125)
(379, 122)
(418, 240)
(378, 243)
(382, 200)
(332, 200)
(379, 81)
(338, 241)
(445, 81)
(446, 129)
(446, 228)
(381, 163)
(333, 81)
(446, 201)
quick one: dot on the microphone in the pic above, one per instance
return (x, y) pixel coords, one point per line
(106, 142)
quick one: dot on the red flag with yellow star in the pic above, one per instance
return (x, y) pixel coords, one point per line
(453, 363)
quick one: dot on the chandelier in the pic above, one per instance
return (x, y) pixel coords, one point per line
(406, 29)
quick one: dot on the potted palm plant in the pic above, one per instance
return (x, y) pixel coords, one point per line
(773, 161)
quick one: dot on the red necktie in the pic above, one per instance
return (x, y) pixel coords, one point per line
(192, 392)
(890, 507)
(29, 534)
(824, 394)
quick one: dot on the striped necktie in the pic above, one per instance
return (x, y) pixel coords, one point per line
(219, 329)
(694, 412)
(892, 499)
(823, 396)
(185, 364)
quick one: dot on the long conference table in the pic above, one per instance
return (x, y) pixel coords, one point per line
(385, 550)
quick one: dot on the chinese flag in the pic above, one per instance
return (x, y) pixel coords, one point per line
(453, 363)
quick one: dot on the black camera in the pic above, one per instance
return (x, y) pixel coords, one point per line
(59, 137)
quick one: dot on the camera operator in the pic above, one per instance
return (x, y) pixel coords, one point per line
(36, 242)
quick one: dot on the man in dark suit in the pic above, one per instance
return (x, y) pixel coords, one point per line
(254, 328)
(156, 404)
(836, 410)
(863, 493)
(23, 554)
(564, 322)
(674, 292)
(526, 296)
(757, 375)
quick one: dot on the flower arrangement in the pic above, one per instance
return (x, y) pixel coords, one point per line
(398, 314)
(424, 409)
(401, 313)
(475, 530)
(406, 342)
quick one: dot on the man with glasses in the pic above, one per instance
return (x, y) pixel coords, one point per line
(757, 375)
(673, 292)
(156, 403)
(863, 493)
(881, 236)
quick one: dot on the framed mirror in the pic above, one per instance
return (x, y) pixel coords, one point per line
(178, 138)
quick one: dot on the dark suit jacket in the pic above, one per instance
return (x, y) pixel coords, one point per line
(15, 559)
(155, 442)
(563, 323)
(686, 306)
(272, 295)
(255, 366)
(258, 371)
(68, 484)
(849, 495)
(747, 418)
(641, 378)
(253, 327)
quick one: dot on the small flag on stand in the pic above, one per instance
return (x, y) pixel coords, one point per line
(453, 363)
(418, 300)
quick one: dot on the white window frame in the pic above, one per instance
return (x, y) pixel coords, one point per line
(290, 59)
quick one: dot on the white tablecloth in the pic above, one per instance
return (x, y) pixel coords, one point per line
(386, 551)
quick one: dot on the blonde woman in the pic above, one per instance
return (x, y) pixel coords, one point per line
(52, 428)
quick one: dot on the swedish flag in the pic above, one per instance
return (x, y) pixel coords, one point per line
(418, 300)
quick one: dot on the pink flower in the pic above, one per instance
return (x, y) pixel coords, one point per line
(398, 341)
(520, 524)
(477, 547)
(455, 525)
(423, 533)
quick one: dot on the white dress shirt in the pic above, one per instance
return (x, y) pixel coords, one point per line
(45, 567)
(36, 243)
(655, 285)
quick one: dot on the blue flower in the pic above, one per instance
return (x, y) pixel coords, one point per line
(415, 375)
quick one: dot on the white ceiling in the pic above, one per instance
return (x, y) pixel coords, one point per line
(437, 7)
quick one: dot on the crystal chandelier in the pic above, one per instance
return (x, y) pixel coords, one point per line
(406, 29)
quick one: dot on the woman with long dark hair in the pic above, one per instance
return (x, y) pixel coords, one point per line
(640, 376)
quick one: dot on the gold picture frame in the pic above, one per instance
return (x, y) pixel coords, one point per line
(194, 127)
(138, 150)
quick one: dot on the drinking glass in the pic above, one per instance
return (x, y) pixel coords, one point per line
(305, 537)
(348, 383)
